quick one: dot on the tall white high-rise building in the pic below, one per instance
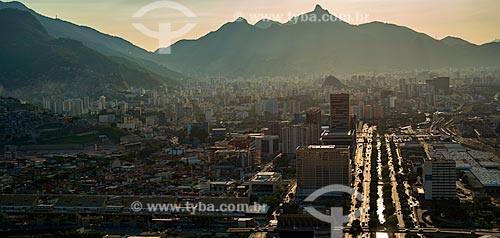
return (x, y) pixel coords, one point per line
(76, 107)
(293, 136)
(86, 105)
(209, 114)
(440, 176)
(101, 103)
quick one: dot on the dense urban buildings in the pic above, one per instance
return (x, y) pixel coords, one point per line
(229, 134)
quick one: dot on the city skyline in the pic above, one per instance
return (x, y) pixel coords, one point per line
(473, 21)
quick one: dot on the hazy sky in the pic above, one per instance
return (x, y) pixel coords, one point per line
(477, 21)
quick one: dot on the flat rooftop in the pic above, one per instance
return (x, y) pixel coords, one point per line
(489, 164)
(487, 177)
(330, 134)
(18, 199)
(321, 146)
(331, 147)
(266, 177)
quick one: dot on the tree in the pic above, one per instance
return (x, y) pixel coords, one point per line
(281, 161)
(374, 222)
(412, 178)
(254, 198)
(356, 228)
(392, 222)
(272, 201)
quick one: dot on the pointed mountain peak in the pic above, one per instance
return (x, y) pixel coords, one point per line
(319, 15)
(239, 23)
(319, 9)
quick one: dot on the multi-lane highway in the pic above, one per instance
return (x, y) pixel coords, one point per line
(394, 183)
(362, 165)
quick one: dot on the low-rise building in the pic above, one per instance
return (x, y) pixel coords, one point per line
(265, 183)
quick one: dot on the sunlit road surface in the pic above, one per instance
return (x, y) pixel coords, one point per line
(394, 184)
(362, 160)
(382, 235)
(367, 179)
(358, 160)
(273, 222)
(258, 235)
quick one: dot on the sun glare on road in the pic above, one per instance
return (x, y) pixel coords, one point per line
(382, 235)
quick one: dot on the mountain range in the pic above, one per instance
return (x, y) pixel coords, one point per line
(302, 46)
(103, 43)
(269, 48)
(32, 61)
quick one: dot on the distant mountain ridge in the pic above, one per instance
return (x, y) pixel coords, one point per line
(296, 47)
(332, 81)
(266, 23)
(454, 41)
(302, 46)
(32, 61)
(103, 43)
